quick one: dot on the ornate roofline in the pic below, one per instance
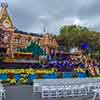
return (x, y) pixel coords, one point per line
(5, 18)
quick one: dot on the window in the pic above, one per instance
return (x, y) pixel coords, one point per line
(18, 40)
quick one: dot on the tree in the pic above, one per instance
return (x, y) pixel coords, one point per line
(72, 35)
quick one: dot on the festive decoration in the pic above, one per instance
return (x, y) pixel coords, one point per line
(85, 46)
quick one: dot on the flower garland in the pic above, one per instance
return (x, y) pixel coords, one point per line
(28, 71)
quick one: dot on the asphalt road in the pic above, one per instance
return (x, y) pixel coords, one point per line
(25, 93)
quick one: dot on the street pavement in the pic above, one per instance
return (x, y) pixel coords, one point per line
(24, 92)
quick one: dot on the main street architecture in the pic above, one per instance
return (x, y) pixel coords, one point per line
(11, 39)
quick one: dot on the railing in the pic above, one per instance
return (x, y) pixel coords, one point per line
(2, 92)
(66, 87)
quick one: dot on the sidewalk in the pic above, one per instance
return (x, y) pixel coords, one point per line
(25, 93)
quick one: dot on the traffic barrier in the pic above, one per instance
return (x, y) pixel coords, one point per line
(2, 92)
(51, 91)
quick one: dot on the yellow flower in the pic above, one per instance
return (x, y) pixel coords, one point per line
(23, 80)
(8, 80)
(13, 81)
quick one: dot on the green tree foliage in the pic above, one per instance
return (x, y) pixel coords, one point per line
(73, 36)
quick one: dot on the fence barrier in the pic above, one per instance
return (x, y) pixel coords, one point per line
(2, 92)
(50, 88)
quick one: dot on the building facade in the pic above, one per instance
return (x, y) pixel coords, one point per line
(12, 39)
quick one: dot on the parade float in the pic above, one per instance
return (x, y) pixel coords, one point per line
(28, 56)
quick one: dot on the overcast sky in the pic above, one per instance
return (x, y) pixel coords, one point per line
(32, 15)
